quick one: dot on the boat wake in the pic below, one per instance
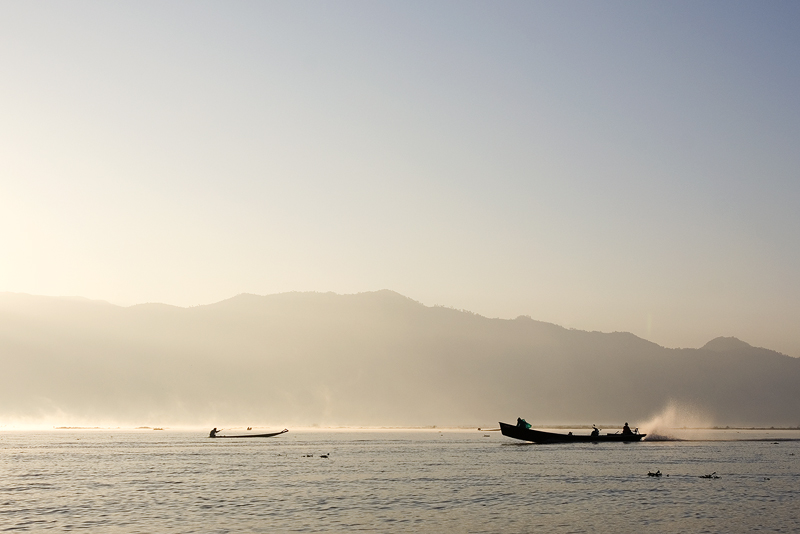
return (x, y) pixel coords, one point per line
(662, 437)
(675, 419)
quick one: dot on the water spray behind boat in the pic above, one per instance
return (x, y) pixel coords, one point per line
(675, 423)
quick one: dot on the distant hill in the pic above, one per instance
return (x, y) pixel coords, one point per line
(368, 359)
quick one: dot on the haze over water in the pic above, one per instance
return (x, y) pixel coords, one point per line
(377, 214)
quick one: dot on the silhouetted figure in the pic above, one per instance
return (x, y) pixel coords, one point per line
(595, 432)
(626, 429)
(522, 423)
(213, 433)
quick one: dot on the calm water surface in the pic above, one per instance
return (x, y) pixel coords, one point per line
(393, 481)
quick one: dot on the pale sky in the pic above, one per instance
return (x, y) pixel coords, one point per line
(613, 166)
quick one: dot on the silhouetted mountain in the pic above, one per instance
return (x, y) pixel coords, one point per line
(727, 344)
(367, 359)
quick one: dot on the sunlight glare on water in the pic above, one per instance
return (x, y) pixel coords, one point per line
(392, 481)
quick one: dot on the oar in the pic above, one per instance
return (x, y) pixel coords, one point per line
(488, 430)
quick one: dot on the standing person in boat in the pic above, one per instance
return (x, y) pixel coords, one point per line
(626, 429)
(213, 433)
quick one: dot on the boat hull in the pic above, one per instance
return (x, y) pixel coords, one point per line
(537, 436)
(253, 435)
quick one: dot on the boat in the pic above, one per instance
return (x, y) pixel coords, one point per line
(538, 436)
(252, 435)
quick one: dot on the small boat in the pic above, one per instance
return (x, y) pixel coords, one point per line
(538, 436)
(252, 435)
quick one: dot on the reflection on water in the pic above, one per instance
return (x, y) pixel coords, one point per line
(393, 481)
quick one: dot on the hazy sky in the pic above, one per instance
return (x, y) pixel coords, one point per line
(605, 166)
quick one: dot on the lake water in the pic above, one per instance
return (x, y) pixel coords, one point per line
(393, 481)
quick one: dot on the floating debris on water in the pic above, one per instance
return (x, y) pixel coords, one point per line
(712, 475)
(656, 474)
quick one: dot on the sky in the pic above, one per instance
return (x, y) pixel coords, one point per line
(614, 166)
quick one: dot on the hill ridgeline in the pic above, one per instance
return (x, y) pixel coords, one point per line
(370, 359)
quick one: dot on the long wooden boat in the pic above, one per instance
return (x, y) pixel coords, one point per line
(253, 435)
(538, 436)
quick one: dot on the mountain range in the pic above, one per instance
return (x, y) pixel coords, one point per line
(368, 359)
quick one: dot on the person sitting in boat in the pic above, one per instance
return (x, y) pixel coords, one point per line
(595, 432)
(522, 423)
(213, 433)
(626, 429)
